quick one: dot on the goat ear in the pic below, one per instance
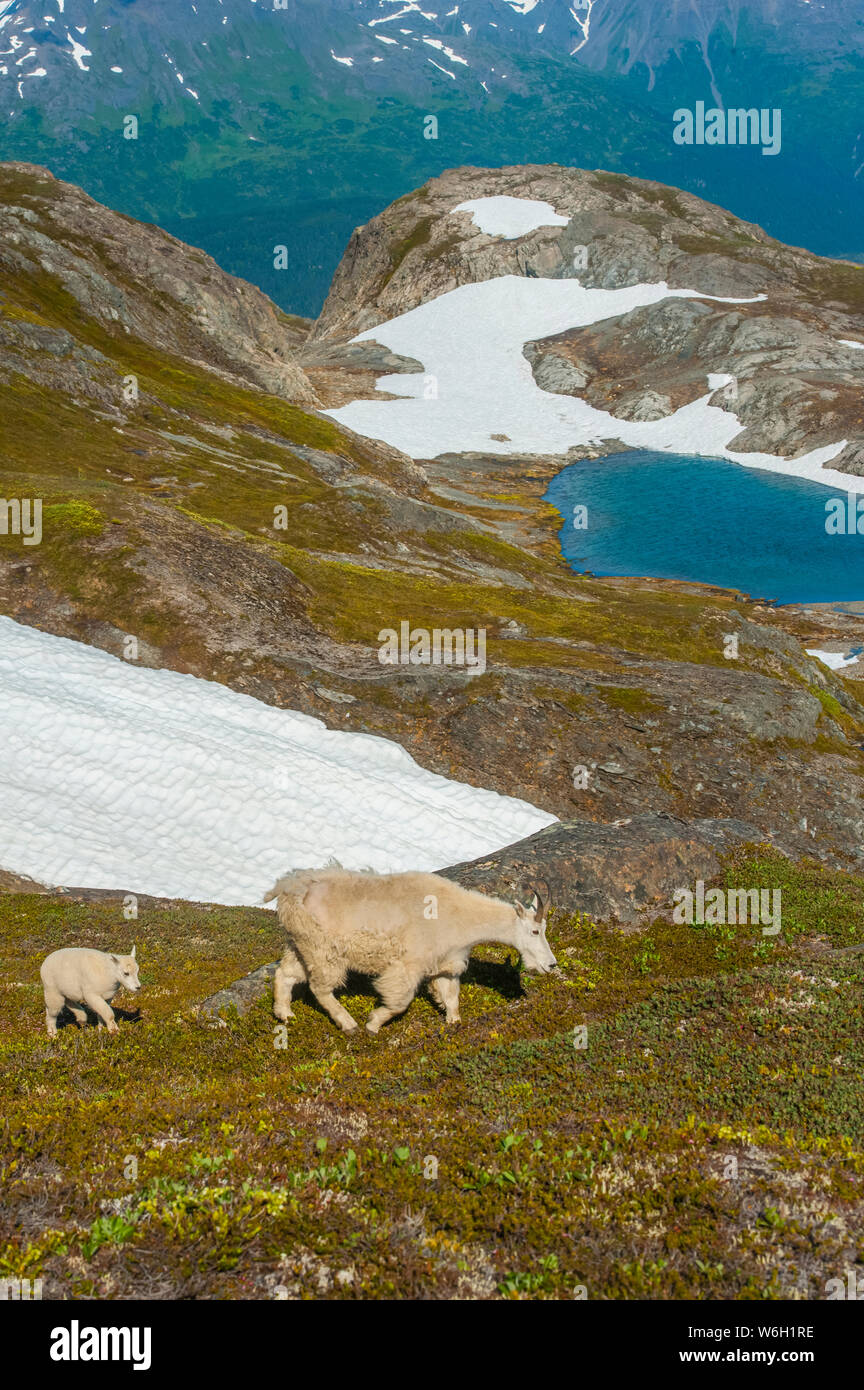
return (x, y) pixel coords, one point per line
(520, 910)
(116, 959)
(132, 953)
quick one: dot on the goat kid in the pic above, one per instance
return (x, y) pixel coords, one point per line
(77, 975)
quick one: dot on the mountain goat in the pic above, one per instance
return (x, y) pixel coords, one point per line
(399, 928)
(78, 975)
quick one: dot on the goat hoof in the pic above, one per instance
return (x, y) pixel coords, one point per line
(349, 1028)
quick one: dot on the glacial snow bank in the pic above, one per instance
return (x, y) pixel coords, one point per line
(476, 385)
(114, 776)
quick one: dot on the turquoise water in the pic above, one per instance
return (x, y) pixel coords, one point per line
(667, 516)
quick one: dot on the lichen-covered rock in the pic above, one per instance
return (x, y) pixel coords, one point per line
(612, 872)
(237, 997)
(133, 278)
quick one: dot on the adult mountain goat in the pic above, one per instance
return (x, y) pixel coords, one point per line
(399, 928)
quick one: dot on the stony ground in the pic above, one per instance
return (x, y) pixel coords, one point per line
(707, 1141)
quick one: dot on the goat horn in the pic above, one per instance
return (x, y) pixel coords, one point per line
(543, 894)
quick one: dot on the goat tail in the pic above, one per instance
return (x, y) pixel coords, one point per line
(298, 882)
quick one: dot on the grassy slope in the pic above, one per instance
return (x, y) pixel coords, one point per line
(304, 1170)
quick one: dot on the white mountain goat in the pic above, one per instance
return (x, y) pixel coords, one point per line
(78, 975)
(399, 928)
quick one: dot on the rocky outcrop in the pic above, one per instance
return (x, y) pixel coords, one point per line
(796, 385)
(130, 278)
(618, 872)
(797, 382)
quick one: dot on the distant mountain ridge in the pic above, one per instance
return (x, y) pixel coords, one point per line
(621, 35)
(261, 126)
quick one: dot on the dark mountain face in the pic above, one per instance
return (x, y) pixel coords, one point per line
(260, 126)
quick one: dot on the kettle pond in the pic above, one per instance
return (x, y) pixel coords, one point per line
(710, 521)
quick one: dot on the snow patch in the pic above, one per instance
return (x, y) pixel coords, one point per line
(79, 52)
(442, 48)
(835, 660)
(511, 217)
(470, 342)
(440, 69)
(115, 776)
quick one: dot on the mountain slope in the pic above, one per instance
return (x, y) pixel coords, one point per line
(253, 541)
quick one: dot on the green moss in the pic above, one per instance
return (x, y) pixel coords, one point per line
(418, 237)
(828, 702)
(666, 197)
(851, 726)
(411, 197)
(704, 245)
(627, 698)
(654, 222)
(445, 247)
(615, 184)
(352, 601)
(76, 518)
(840, 282)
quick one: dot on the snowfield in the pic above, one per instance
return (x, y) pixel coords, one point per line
(477, 385)
(115, 776)
(835, 660)
(510, 218)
